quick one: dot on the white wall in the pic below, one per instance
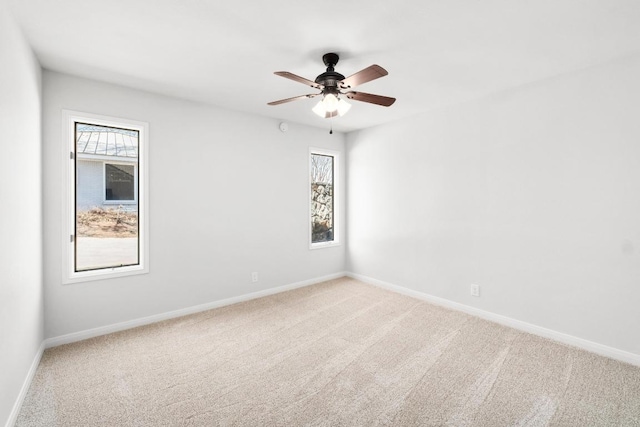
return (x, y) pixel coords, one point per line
(91, 193)
(21, 302)
(533, 193)
(228, 196)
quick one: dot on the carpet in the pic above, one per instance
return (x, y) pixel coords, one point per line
(339, 353)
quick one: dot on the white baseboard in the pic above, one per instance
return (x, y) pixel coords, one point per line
(603, 350)
(13, 416)
(108, 329)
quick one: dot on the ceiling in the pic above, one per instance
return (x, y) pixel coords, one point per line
(224, 53)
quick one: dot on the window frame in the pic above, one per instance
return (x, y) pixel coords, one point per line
(336, 198)
(70, 156)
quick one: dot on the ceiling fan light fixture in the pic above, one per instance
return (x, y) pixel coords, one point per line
(330, 105)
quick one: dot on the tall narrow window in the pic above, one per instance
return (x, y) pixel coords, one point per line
(323, 191)
(106, 191)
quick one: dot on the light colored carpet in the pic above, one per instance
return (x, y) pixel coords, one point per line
(340, 353)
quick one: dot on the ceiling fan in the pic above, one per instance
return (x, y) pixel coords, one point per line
(334, 86)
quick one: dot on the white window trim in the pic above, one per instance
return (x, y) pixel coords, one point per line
(69, 118)
(336, 198)
(104, 183)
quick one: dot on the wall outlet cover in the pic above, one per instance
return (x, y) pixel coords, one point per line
(475, 290)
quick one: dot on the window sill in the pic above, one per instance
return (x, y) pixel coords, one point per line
(105, 273)
(323, 245)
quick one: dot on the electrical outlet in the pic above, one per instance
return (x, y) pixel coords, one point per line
(254, 276)
(475, 290)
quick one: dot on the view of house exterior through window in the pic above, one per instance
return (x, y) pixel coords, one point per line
(322, 191)
(106, 197)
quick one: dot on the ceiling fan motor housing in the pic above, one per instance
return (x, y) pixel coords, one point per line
(330, 79)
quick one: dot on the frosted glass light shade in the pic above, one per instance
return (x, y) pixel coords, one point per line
(330, 102)
(319, 109)
(343, 107)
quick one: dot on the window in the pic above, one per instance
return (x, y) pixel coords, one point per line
(323, 180)
(106, 197)
(119, 183)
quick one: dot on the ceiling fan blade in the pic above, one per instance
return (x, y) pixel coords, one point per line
(298, 79)
(295, 98)
(370, 73)
(385, 101)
